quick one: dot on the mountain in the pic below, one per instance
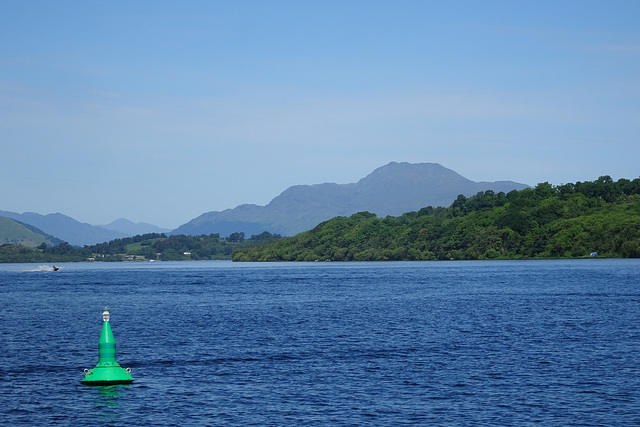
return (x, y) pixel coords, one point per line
(585, 219)
(66, 228)
(15, 232)
(392, 189)
(133, 229)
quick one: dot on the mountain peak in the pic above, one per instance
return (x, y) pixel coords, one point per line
(392, 189)
(394, 171)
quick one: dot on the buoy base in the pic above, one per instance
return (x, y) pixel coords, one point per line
(103, 383)
(107, 375)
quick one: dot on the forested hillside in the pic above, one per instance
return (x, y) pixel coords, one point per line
(567, 221)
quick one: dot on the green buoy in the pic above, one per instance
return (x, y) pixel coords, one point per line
(107, 371)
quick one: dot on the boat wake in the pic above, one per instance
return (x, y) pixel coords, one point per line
(46, 268)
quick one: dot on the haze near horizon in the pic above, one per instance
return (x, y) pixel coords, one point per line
(158, 111)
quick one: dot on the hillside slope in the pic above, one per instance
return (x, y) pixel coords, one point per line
(15, 232)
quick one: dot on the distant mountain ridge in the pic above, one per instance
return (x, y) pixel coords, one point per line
(130, 228)
(392, 189)
(66, 228)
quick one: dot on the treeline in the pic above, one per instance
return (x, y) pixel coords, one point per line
(566, 221)
(59, 253)
(182, 247)
(151, 246)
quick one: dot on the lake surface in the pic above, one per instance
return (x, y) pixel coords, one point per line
(220, 343)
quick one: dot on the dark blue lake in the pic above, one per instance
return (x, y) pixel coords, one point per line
(219, 343)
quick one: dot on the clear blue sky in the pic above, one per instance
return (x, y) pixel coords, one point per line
(159, 111)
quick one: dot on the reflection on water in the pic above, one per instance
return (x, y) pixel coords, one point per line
(107, 401)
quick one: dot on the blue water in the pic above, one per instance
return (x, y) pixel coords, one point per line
(218, 343)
